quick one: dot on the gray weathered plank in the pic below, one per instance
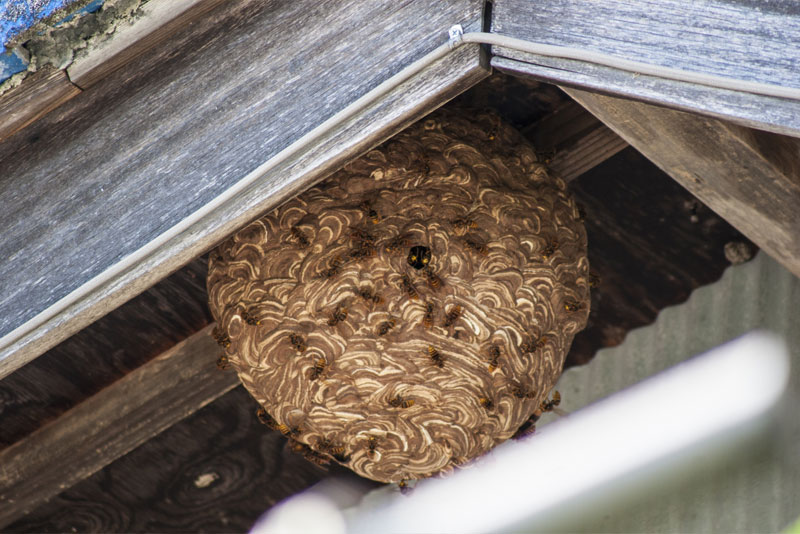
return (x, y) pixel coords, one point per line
(749, 177)
(157, 20)
(746, 40)
(162, 137)
(40, 93)
(110, 424)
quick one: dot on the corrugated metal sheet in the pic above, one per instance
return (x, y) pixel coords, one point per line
(760, 495)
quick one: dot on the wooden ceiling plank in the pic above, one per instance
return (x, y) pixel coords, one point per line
(163, 137)
(730, 39)
(749, 177)
(573, 140)
(44, 91)
(154, 24)
(111, 423)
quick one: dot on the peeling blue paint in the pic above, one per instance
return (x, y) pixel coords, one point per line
(11, 63)
(91, 7)
(17, 16)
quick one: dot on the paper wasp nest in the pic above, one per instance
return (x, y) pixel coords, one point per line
(413, 310)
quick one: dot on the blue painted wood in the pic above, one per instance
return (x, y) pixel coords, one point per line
(16, 16)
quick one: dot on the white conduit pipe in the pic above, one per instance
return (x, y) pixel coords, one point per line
(457, 37)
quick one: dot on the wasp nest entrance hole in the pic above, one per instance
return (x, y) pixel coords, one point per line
(415, 309)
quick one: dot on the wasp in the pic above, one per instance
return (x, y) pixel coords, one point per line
(266, 419)
(548, 406)
(298, 343)
(365, 251)
(550, 249)
(397, 244)
(476, 246)
(522, 393)
(385, 326)
(288, 431)
(436, 356)
(367, 294)
(300, 237)
(223, 362)
(339, 454)
(594, 280)
(372, 445)
(318, 369)
(315, 457)
(361, 236)
(250, 319)
(372, 215)
(434, 282)
(486, 403)
(323, 444)
(581, 213)
(427, 319)
(464, 224)
(405, 489)
(400, 402)
(533, 346)
(221, 337)
(337, 315)
(494, 356)
(573, 306)
(453, 315)
(409, 288)
(526, 428)
(333, 268)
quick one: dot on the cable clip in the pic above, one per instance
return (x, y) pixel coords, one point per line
(456, 32)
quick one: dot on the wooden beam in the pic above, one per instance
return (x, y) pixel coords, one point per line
(39, 94)
(749, 177)
(110, 424)
(161, 139)
(156, 22)
(577, 140)
(735, 39)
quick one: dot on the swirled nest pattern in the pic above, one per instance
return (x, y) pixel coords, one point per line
(413, 310)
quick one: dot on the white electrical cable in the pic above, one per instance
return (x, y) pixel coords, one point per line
(457, 38)
(636, 67)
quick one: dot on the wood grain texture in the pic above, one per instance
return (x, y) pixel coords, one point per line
(158, 139)
(216, 471)
(104, 352)
(745, 40)
(650, 241)
(110, 424)
(573, 141)
(158, 20)
(40, 93)
(749, 177)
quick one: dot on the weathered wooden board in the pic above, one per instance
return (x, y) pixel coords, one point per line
(110, 424)
(159, 139)
(216, 471)
(157, 21)
(749, 177)
(105, 351)
(42, 92)
(741, 39)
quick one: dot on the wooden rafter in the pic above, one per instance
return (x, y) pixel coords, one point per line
(749, 177)
(111, 423)
(139, 152)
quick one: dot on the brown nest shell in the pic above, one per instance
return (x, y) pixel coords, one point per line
(413, 310)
